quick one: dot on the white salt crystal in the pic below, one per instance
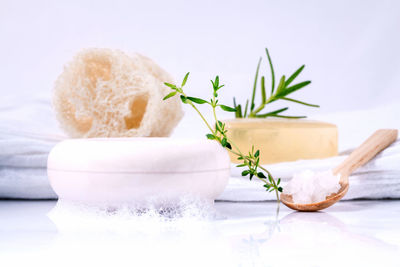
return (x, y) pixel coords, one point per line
(310, 187)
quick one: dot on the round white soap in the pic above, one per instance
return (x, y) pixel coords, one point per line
(137, 170)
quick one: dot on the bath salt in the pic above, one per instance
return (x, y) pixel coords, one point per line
(310, 187)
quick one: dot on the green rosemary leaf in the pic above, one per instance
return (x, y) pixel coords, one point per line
(170, 95)
(279, 181)
(272, 72)
(280, 189)
(300, 102)
(197, 100)
(241, 165)
(261, 175)
(246, 172)
(271, 113)
(172, 86)
(263, 94)
(280, 85)
(234, 102)
(255, 85)
(238, 111)
(210, 136)
(292, 89)
(185, 79)
(294, 75)
(245, 109)
(226, 108)
(257, 153)
(289, 117)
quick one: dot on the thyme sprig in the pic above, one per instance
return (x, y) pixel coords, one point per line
(218, 133)
(281, 92)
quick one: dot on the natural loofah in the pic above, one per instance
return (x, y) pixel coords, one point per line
(106, 93)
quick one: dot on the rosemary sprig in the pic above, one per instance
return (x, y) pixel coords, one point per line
(218, 133)
(279, 93)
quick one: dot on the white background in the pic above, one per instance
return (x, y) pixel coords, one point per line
(350, 48)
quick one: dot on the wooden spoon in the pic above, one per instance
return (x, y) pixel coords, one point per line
(364, 153)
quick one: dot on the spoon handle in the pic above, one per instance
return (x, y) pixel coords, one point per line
(366, 151)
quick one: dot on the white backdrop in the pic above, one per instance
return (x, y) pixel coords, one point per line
(350, 48)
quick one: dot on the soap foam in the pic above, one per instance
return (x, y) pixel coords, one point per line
(311, 187)
(182, 234)
(77, 217)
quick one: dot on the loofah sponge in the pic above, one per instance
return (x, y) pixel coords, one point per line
(106, 93)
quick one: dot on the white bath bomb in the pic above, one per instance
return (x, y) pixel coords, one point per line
(106, 93)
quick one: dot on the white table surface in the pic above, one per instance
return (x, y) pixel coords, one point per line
(351, 233)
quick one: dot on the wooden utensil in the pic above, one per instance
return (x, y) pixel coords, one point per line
(364, 153)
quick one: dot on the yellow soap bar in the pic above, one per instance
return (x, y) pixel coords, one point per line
(283, 139)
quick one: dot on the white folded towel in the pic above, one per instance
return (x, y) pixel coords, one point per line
(25, 183)
(380, 178)
(28, 131)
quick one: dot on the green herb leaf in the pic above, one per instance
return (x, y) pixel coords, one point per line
(245, 109)
(263, 93)
(279, 181)
(257, 153)
(241, 165)
(184, 99)
(197, 100)
(280, 85)
(289, 117)
(272, 72)
(271, 113)
(185, 79)
(211, 136)
(246, 172)
(228, 145)
(261, 175)
(293, 76)
(224, 142)
(238, 113)
(280, 189)
(170, 95)
(255, 85)
(292, 89)
(172, 86)
(300, 102)
(226, 108)
(251, 176)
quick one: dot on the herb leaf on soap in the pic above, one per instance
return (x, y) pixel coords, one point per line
(251, 160)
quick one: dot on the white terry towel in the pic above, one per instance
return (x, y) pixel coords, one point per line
(28, 131)
(380, 178)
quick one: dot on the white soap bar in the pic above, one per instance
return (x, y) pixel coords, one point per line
(113, 171)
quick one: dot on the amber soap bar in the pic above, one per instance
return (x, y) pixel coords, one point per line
(282, 140)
